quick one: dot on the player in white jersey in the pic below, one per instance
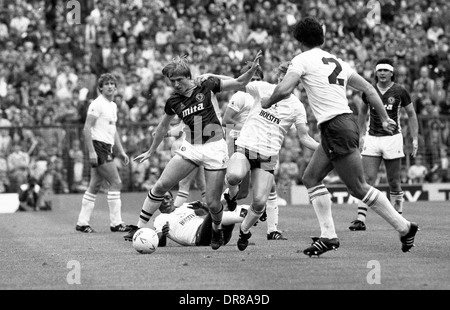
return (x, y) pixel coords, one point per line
(258, 147)
(191, 224)
(101, 137)
(325, 79)
(235, 115)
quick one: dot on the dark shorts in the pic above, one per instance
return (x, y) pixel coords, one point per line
(257, 160)
(235, 147)
(104, 152)
(340, 136)
(204, 232)
(29, 196)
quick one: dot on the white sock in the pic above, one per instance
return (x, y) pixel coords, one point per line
(397, 199)
(250, 219)
(115, 208)
(87, 206)
(181, 198)
(321, 201)
(231, 217)
(379, 203)
(362, 211)
(272, 212)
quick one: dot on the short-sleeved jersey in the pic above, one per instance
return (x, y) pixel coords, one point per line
(393, 99)
(200, 112)
(183, 223)
(264, 130)
(324, 78)
(241, 102)
(104, 129)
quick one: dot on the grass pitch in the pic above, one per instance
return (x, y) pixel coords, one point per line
(42, 251)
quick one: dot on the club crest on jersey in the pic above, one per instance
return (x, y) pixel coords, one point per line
(391, 100)
(200, 97)
(190, 110)
(243, 213)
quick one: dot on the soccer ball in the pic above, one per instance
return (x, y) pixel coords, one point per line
(145, 240)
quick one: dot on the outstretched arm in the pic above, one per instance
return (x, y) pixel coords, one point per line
(283, 90)
(240, 82)
(161, 131)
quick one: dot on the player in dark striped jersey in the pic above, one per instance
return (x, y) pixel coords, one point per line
(204, 143)
(380, 145)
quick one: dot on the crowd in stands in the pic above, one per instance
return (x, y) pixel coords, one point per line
(49, 66)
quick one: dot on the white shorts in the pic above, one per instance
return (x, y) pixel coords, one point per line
(387, 147)
(211, 155)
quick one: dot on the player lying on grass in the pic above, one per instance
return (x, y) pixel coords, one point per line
(191, 223)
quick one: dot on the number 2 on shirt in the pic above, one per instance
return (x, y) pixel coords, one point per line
(333, 77)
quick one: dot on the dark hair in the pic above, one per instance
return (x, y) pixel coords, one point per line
(387, 61)
(309, 32)
(106, 77)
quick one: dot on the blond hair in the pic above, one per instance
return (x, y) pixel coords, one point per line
(177, 67)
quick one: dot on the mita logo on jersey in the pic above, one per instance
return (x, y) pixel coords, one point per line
(269, 117)
(193, 109)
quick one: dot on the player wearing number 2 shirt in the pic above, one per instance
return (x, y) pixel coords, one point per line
(325, 79)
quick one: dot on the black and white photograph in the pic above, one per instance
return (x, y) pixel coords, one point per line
(225, 153)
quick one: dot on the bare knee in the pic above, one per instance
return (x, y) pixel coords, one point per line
(94, 187)
(116, 186)
(370, 179)
(213, 205)
(160, 188)
(233, 179)
(243, 193)
(359, 190)
(309, 181)
(259, 203)
(394, 185)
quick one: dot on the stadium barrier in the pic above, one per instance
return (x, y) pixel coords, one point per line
(61, 137)
(9, 203)
(339, 194)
